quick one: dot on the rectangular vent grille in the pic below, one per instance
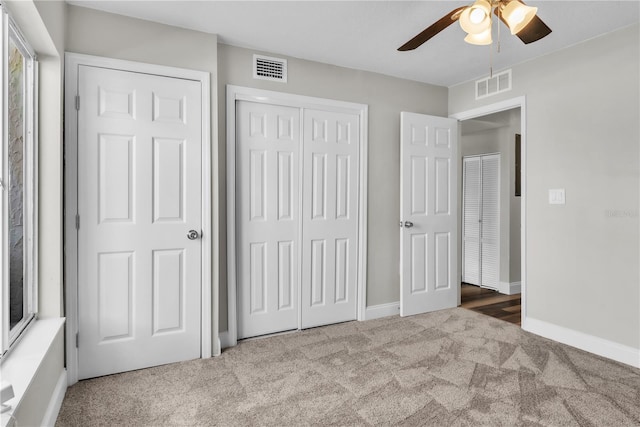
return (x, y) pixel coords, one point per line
(500, 82)
(268, 68)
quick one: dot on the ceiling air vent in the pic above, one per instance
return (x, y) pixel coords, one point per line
(268, 68)
(500, 82)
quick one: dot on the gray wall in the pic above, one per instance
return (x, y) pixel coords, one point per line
(582, 135)
(500, 139)
(386, 97)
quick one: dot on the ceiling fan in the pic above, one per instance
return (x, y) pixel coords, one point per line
(476, 21)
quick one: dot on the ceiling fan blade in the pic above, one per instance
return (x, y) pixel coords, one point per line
(434, 29)
(534, 31)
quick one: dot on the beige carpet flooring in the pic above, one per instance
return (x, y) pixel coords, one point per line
(453, 367)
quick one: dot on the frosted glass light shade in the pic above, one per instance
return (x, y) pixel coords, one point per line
(518, 15)
(476, 18)
(482, 38)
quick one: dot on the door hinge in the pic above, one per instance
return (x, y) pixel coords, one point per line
(78, 102)
(77, 222)
(77, 340)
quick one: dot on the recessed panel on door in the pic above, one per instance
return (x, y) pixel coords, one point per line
(285, 185)
(169, 109)
(343, 186)
(286, 271)
(419, 266)
(168, 290)
(116, 293)
(342, 271)
(168, 179)
(443, 260)
(419, 184)
(116, 184)
(116, 103)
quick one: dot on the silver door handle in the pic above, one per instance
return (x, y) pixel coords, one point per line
(193, 235)
(408, 224)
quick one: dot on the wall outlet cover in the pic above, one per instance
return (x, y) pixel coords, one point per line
(556, 196)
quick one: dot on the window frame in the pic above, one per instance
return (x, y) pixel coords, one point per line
(10, 336)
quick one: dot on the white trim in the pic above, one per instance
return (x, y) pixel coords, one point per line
(592, 344)
(518, 102)
(239, 93)
(225, 340)
(509, 288)
(22, 365)
(72, 62)
(11, 32)
(55, 403)
(382, 310)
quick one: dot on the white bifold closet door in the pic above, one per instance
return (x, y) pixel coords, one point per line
(296, 196)
(481, 220)
(330, 218)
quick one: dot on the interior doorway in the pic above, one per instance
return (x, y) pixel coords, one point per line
(495, 133)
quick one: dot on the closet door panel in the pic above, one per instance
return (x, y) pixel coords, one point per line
(490, 225)
(471, 220)
(267, 210)
(329, 217)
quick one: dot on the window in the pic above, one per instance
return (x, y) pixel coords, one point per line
(18, 183)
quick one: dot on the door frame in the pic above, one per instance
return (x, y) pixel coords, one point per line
(208, 333)
(239, 93)
(508, 104)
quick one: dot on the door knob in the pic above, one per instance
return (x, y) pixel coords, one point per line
(193, 235)
(408, 224)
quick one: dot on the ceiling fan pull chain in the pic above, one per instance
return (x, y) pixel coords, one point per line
(491, 61)
(499, 13)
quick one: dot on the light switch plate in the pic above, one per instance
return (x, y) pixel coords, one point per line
(556, 196)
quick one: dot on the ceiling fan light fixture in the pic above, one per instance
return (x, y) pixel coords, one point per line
(476, 18)
(518, 15)
(481, 39)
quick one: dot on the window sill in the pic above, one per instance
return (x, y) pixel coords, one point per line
(21, 365)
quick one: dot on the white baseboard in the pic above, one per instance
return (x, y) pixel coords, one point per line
(592, 344)
(382, 310)
(225, 341)
(53, 409)
(372, 312)
(509, 288)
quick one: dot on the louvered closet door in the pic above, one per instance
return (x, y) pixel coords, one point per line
(471, 220)
(481, 220)
(330, 218)
(490, 225)
(268, 147)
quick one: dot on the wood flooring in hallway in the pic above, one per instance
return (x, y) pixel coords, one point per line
(491, 303)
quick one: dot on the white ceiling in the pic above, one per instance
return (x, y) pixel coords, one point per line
(365, 34)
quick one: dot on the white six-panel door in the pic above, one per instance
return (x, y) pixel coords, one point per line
(296, 229)
(330, 217)
(139, 194)
(428, 239)
(268, 217)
